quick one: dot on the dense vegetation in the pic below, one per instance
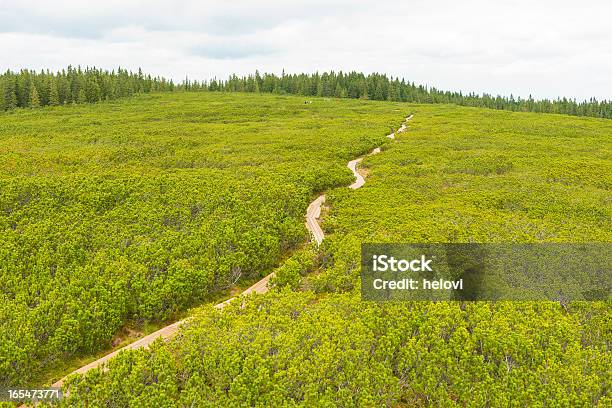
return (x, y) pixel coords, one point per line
(457, 175)
(380, 87)
(31, 89)
(135, 209)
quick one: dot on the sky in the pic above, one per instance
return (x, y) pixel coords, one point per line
(542, 48)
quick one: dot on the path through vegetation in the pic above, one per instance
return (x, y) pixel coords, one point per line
(313, 213)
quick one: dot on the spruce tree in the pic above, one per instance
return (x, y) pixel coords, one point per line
(93, 91)
(378, 92)
(10, 96)
(363, 91)
(338, 91)
(34, 99)
(81, 97)
(54, 99)
(2, 95)
(392, 94)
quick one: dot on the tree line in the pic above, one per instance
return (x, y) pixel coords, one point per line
(30, 89)
(380, 87)
(75, 85)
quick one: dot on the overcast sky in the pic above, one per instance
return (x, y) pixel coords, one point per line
(546, 48)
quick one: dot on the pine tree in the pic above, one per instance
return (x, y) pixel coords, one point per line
(34, 99)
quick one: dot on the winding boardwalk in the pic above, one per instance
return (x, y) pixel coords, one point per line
(313, 213)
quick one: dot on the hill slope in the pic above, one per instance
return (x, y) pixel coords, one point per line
(456, 175)
(131, 211)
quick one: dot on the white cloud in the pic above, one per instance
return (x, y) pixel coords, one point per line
(546, 48)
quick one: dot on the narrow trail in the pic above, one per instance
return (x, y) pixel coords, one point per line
(313, 214)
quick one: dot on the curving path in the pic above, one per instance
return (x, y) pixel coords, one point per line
(313, 213)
